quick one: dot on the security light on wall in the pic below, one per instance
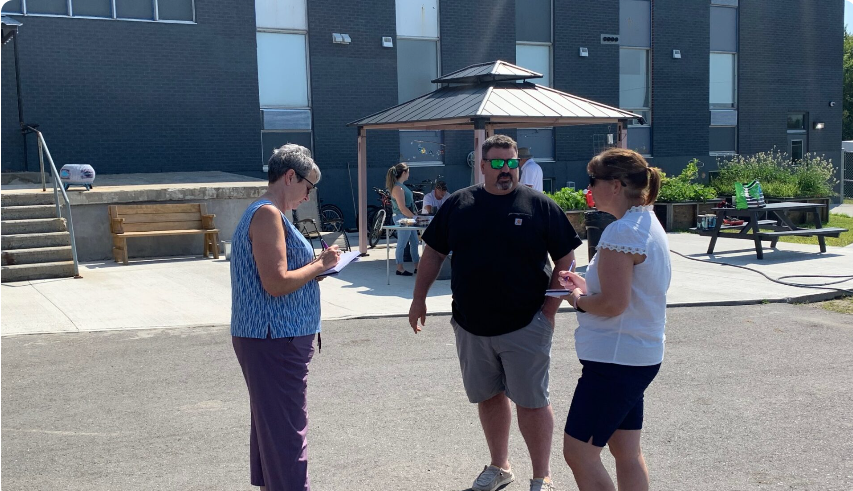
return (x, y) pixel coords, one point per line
(341, 38)
(819, 125)
(387, 42)
(676, 53)
(584, 52)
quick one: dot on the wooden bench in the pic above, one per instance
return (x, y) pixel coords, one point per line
(129, 221)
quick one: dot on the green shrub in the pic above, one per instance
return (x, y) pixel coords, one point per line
(779, 177)
(682, 187)
(569, 199)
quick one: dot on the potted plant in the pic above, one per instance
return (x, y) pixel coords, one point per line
(681, 199)
(810, 179)
(573, 203)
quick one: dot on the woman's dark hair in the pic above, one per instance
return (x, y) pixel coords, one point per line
(630, 168)
(393, 174)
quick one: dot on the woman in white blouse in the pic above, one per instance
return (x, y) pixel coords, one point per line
(621, 307)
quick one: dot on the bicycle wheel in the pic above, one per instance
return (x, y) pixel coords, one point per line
(332, 218)
(374, 233)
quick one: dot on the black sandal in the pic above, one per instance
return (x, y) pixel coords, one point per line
(404, 273)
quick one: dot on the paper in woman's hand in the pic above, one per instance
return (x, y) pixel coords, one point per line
(557, 292)
(343, 261)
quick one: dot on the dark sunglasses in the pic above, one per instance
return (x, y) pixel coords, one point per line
(499, 163)
(313, 184)
(592, 180)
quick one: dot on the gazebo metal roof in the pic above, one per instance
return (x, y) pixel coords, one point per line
(503, 104)
(483, 97)
(493, 71)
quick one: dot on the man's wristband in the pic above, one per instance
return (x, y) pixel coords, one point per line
(582, 311)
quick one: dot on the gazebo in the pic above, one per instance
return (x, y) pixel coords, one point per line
(483, 98)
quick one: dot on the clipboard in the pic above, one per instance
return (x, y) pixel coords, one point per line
(557, 292)
(345, 259)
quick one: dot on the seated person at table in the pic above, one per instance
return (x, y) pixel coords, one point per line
(436, 198)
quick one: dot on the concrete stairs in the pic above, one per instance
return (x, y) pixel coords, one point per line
(35, 244)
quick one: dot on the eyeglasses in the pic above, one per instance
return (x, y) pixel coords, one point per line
(313, 184)
(592, 180)
(499, 163)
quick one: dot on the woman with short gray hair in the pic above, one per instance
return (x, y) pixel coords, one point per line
(275, 315)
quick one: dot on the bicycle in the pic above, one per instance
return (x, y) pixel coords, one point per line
(378, 216)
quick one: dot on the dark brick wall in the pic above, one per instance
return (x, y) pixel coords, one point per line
(790, 57)
(580, 23)
(12, 142)
(472, 32)
(140, 96)
(349, 82)
(680, 115)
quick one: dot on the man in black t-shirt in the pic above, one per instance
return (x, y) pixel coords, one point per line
(501, 234)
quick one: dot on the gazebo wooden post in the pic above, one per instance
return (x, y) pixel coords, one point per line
(622, 137)
(479, 138)
(362, 191)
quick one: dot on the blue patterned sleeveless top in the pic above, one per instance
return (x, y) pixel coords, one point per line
(254, 312)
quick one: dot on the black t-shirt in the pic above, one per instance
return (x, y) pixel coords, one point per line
(500, 245)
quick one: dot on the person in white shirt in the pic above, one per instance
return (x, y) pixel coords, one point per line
(435, 198)
(531, 173)
(621, 307)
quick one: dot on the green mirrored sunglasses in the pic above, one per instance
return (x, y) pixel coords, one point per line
(499, 163)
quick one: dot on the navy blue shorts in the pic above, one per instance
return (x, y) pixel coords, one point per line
(608, 397)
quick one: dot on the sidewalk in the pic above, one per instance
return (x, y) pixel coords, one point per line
(184, 292)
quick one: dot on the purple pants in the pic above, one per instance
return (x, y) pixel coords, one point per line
(276, 373)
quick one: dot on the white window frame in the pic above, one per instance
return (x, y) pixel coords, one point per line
(437, 40)
(112, 11)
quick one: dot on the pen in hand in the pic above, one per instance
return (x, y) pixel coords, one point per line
(326, 246)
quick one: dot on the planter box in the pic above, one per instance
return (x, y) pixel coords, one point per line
(802, 217)
(682, 215)
(576, 219)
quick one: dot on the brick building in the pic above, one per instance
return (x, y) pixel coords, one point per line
(183, 85)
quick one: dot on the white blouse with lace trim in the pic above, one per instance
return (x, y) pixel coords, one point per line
(623, 235)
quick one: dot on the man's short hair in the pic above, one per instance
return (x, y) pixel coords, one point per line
(500, 141)
(291, 156)
(441, 185)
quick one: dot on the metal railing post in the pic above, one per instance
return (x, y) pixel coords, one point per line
(57, 187)
(41, 164)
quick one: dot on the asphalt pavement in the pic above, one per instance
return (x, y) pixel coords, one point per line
(748, 398)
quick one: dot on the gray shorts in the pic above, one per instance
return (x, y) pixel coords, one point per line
(516, 363)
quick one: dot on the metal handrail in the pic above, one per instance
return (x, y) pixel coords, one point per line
(57, 187)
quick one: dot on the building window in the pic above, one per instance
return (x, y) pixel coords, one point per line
(283, 82)
(635, 88)
(536, 57)
(282, 70)
(182, 11)
(417, 66)
(796, 121)
(281, 14)
(722, 140)
(533, 51)
(722, 83)
(540, 141)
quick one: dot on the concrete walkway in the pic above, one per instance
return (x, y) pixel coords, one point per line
(185, 292)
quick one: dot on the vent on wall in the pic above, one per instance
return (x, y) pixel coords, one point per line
(609, 39)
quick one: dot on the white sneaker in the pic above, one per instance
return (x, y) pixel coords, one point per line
(541, 485)
(492, 478)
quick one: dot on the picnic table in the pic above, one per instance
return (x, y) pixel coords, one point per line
(758, 225)
(388, 229)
